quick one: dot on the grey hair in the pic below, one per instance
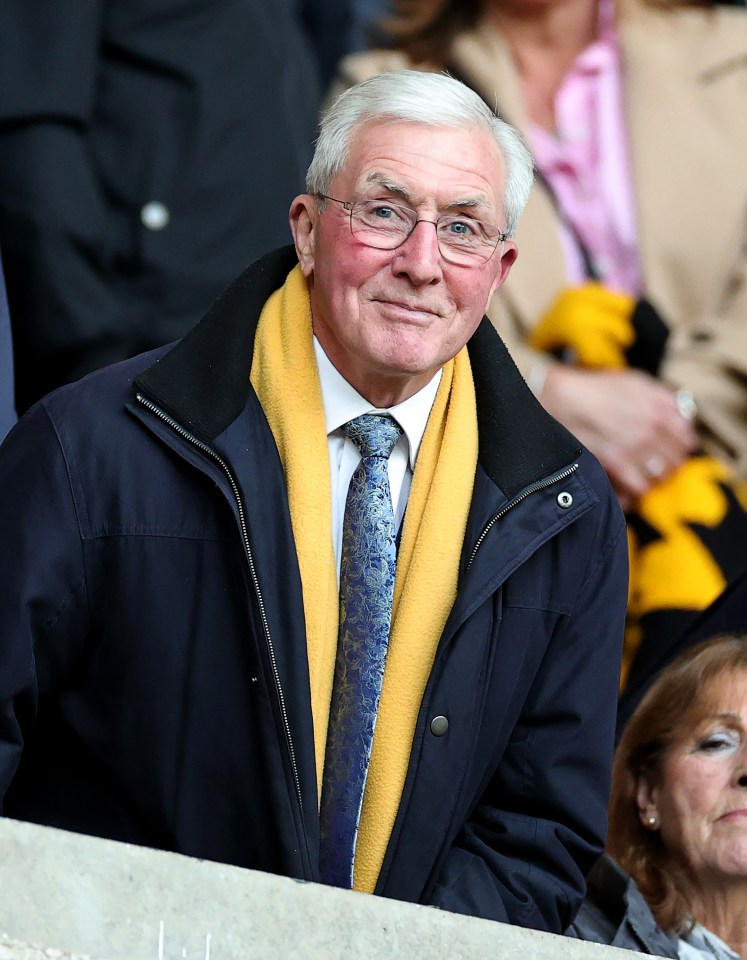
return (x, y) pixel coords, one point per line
(419, 97)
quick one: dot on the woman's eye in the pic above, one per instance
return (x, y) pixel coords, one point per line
(723, 740)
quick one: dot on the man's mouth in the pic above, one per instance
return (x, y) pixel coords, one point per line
(408, 308)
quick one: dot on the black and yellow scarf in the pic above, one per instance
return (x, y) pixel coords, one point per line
(687, 534)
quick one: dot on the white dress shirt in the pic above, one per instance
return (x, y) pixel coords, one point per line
(343, 403)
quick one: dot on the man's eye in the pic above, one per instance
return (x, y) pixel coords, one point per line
(384, 213)
(462, 228)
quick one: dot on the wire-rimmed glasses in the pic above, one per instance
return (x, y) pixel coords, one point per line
(384, 225)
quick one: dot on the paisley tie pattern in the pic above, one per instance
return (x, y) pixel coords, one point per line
(367, 570)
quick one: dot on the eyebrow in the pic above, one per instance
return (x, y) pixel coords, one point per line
(733, 718)
(389, 185)
(478, 202)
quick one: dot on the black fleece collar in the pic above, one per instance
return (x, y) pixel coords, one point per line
(203, 382)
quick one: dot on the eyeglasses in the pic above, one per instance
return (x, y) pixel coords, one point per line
(385, 226)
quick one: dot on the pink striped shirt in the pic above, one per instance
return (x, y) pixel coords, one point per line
(586, 162)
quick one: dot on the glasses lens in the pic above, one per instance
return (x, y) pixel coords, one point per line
(380, 224)
(464, 240)
(384, 225)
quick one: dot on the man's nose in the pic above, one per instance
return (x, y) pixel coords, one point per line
(419, 257)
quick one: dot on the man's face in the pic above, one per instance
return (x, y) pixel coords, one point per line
(389, 319)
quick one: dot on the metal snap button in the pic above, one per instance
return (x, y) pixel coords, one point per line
(439, 726)
(564, 500)
(155, 215)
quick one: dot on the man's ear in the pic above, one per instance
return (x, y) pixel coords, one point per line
(303, 214)
(647, 800)
(509, 252)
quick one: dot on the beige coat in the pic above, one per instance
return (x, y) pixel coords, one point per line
(685, 84)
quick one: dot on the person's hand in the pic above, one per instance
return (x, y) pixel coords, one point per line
(628, 420)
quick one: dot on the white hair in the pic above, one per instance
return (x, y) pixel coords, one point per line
(419, 97)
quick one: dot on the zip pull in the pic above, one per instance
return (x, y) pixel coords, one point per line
(522, 495)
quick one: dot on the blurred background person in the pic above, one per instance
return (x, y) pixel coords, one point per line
(677, 886)
(7, 406)
(627, 312)
(337, 27)
(149, 150)
(726, 615)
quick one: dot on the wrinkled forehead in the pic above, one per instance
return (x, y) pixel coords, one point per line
(424, 161)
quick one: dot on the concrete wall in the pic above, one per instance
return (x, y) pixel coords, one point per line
(69, 896)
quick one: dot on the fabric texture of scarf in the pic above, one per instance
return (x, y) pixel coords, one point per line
(285, 377)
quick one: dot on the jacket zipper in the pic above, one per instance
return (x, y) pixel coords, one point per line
(252, 569)
(522, 495)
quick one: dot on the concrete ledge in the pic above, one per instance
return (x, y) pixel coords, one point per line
(68, 896)
(15, 950)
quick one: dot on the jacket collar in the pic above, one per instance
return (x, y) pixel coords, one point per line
(203, 382)
(616, 895)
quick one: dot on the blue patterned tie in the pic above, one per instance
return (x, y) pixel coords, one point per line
(366, 592)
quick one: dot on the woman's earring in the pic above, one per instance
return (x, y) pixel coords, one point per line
(652, 822)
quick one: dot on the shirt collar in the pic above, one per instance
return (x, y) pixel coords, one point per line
(342, 403)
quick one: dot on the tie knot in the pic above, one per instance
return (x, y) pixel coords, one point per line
(373, 434)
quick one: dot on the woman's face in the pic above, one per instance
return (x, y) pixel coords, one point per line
(700, 803)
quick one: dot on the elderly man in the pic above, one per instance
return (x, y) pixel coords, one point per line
(321, 590)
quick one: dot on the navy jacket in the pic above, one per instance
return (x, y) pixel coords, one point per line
(7, 402)
(152, 645)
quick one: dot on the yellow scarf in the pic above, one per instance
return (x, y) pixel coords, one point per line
(285, 376)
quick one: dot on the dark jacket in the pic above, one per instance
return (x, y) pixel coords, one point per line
(151, 611)
(208, 108)
(615, 913)
(7, 405)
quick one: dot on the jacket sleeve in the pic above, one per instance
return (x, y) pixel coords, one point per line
(709, 358)
(540, 824)
(42, 584)
(7, 402)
